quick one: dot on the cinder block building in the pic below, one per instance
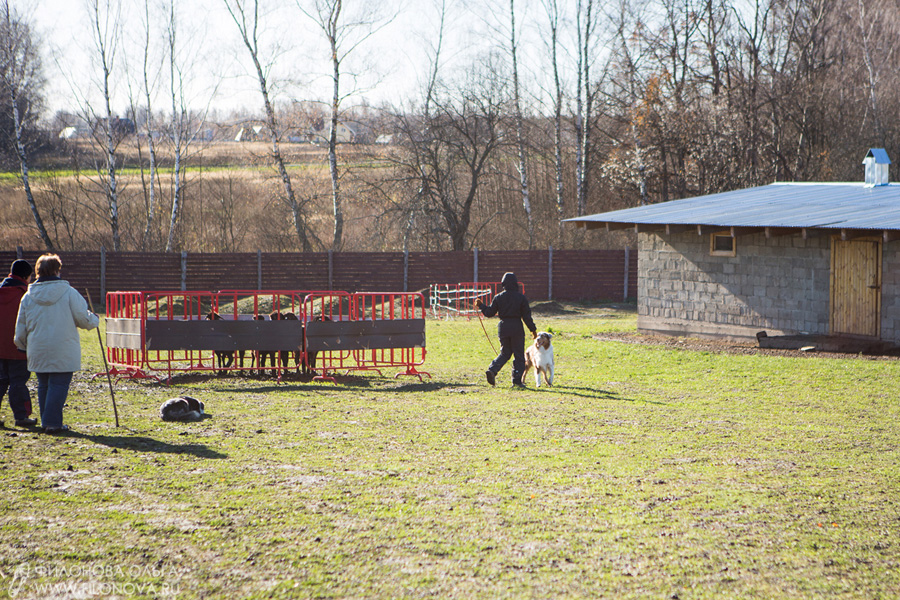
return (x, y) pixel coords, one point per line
(814, 259)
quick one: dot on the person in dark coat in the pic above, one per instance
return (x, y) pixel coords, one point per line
(512, 307)
(14, 372)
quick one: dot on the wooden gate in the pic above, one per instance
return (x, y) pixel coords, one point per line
(856, 287)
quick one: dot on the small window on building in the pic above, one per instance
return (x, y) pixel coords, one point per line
(721, 244)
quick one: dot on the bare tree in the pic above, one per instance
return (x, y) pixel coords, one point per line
(446, 160)
(179, 117)
(552, 9)
(245, 15)
(585, 24)
(521, 167)
(867, 22)
(148, 91)
(345, 32)
(416, 203)
(20, 76)
(106, 23)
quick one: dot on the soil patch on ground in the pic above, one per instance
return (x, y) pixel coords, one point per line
(726, 346)
(552, 308)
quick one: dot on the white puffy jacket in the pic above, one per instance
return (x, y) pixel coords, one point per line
(46, 328)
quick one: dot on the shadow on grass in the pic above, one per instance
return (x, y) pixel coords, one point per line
(344, 384)
(594, 394)
(265, 383)
(141, 443)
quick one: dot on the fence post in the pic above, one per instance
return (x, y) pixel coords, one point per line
(259, 269)
(550, 273)
(331, 269)
(406, 269)
(475, 266)
(627, 265)
(183, 270)
(103, 276)
(19, 252)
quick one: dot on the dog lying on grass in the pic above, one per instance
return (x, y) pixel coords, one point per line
(540, 356)
(183, 408)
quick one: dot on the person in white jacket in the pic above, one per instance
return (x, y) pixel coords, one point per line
(50, 314)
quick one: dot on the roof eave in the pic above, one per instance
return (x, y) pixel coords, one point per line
(888, 235)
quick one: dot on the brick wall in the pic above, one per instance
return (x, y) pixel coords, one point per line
(572, 275)
(780, 285)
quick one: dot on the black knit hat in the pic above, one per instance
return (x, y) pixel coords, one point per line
(21, 268)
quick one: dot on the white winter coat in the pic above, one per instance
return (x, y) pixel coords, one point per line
(46, 327)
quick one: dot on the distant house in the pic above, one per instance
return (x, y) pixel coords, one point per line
(74, 133)
(248, 134)
(787, 258)
(345, 133)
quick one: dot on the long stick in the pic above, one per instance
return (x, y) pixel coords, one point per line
(105, 365)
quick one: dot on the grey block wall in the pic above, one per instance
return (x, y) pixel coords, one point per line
(780, 285)
(890, 291)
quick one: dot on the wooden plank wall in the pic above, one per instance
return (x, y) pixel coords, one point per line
(576, 274)
(426, 268)
(294, 271)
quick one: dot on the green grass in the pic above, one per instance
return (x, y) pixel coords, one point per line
(645, 473)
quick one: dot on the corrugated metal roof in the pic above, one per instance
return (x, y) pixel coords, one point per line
(792, 205)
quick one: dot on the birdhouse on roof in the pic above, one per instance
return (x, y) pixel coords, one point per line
(877, 163)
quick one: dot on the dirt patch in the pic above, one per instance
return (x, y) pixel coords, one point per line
(552, 308)
(725, 346)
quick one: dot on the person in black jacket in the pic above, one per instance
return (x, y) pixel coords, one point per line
(512, 307)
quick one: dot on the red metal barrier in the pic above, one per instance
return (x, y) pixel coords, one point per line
(390, 306)
(178, 331)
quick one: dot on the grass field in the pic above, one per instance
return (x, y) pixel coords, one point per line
(647, 472)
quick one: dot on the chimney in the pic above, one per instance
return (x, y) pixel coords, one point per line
(877, 163)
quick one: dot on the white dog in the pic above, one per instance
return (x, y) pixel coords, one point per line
(540, 356)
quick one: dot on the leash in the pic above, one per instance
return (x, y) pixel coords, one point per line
(481, 319)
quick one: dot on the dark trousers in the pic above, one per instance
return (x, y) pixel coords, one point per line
(511, 346)
(13, 381)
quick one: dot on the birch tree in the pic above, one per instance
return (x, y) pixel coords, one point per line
(20, 76)
(106, 23)
(552, 9)
(868, 20)
(178, 123)
(345, 28)
(584, 100)
(521, 167)
(150, 129)
(245, 14)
